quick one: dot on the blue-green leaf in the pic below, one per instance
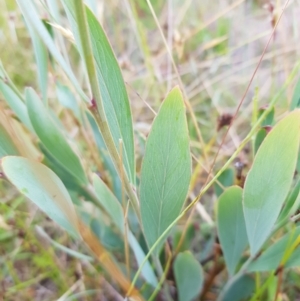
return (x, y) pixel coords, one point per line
(67, 99)
(31, 16)
(188, 275)
(292, 202)
(271, 258)
(240, 290)
(112, 87)
(231, 226)
(226, 178)
(16, 104)
(296, 97)
(7, 146)
(105, 157)
(41, 57)
(114, 210)
(166, 168)
(51, 136)
(109, 202)
(43, 187)
(62, 248)
(270, 179)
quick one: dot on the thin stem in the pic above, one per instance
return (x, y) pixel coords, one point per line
(103, 126)
(162, 275)
(161, 281)
(97, 108)
(125, 211)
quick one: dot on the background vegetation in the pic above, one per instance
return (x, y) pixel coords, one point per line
(216, 46)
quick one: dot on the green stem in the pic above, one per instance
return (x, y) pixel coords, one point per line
(97, 108)
(163, 275)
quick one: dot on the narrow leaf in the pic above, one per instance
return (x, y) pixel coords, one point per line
(107, 261)
(270, 178)
(296, 97)
(41, 185)
(31, 16)
(292, 202)
(109, 202)
(166, 168)
(272, 257)
(7, 146)
(62, 248)
(188, 275)
(226, 179)
(231, 226)
(16, 104)
(260, 136)
(41, 57)
(240, 290)
(67, 99)
(269, 118)
(52, 137)
(114, 210)
(112, 87)
(105, 157)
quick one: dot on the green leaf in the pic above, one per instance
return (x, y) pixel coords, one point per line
(31, 16)
(42, 186)
(231, 226)
(292, 202)
(240, 290)
(112, 87)
(67, 99)
(188, 275)
(114, 210)
(187, 241)
(62, 248)
(270, 179)
(226, 178)
(105, 157)
(296, 97)
(41, 57)
(260, 136)
(7, 146)
(51, 136)
(269, 119)
(270, 259)
(16, 104)
(166, 168)
(109, 202)
(106, 235)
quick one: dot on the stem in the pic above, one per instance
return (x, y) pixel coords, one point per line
(162, 275)
(97, 108)
(161, 281)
